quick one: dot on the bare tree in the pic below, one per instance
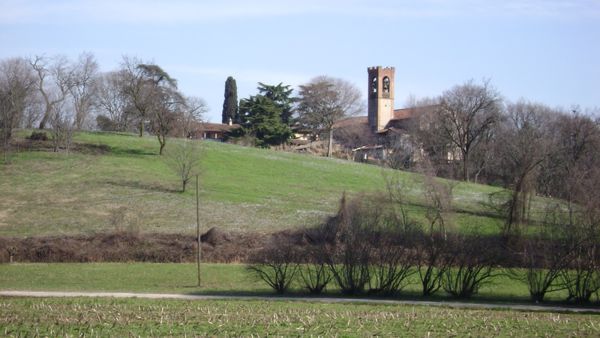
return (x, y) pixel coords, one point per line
(82, 87)
(139, 91)
(428, 134)
(153, 96)
(466, 113)
(349, 254)
(193, 112)
(167, 111)
(184, 159)
(33, 111)
(433, 260)
(522, 147)
(276, 265)
(545, 254)
(315, 273)
(474, 259)
(325, 100)
(573, 158)
(112, 102)
(53, 83)
(16, 90)
(62, 128)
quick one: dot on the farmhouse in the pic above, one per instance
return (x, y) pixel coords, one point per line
(212, 131)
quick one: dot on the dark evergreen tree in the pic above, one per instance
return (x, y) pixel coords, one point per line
(282, 97)
(230, 104)
(261, 117)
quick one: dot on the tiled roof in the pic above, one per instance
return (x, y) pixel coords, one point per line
(350, 121)
(207, 126)
(407, 113)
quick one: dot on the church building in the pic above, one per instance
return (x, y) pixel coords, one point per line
(383, 122)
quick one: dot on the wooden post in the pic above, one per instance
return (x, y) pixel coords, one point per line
(198, 230)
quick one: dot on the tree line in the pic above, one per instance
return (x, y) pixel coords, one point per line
(62, 95)
(375, 245)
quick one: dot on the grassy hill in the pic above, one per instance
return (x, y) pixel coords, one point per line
(119, 182)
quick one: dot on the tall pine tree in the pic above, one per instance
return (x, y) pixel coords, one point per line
(230, 104)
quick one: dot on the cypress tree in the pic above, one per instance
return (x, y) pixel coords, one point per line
(230, 104)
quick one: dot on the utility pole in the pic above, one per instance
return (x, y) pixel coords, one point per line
(198, 230)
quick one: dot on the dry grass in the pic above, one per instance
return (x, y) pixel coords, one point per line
(100, 317)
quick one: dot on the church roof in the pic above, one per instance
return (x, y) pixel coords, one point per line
(352, 121)
(408, 113)
(401, 116)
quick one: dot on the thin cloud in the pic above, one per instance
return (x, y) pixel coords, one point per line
(146, 12)
(182, 11)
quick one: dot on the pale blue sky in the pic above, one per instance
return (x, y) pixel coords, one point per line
(542, 50)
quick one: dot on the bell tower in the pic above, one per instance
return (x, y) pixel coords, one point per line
(381, 96)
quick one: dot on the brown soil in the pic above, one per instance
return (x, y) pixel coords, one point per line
(218, 246)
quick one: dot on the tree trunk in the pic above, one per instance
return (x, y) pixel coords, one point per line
(141, 128)
(465, 166)
(330, 144)
(44, 120)
(162, 142)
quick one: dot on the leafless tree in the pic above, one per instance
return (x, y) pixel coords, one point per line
(475, 258)
(573, 159)
(53, 83)
(545, 254)
(349, 256)
(112, 102)
(324, 101)
(466, 113)
(153, 96)
(183, 158)
(62, 128)
(522, 146)
(139, 90)
(433, 260)
(428, 133)
(33, 111)
(582, 277)
(167, 111)
(276, 265)
(16, 91)
(193, 112)
(315, 273)
(82, 87)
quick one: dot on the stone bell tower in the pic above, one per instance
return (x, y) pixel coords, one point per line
(381, 96)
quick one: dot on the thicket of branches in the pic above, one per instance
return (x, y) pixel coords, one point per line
(374, 246)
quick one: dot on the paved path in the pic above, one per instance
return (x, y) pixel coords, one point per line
(518, 307)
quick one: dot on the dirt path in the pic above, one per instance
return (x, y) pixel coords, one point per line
(451, 304)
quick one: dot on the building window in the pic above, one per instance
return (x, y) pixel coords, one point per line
(386, 85)
(374, 85)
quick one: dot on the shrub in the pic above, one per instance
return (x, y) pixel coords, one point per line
(349, 256)
(315, 274)
(38, 136)
(474, 259)
(582, 278)
(275, 265)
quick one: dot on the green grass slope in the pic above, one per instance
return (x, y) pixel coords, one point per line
(119, 182)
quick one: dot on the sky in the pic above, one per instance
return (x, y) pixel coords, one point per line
(545, 51)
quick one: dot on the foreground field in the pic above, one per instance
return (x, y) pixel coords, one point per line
(118, 181)
(121, 317)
